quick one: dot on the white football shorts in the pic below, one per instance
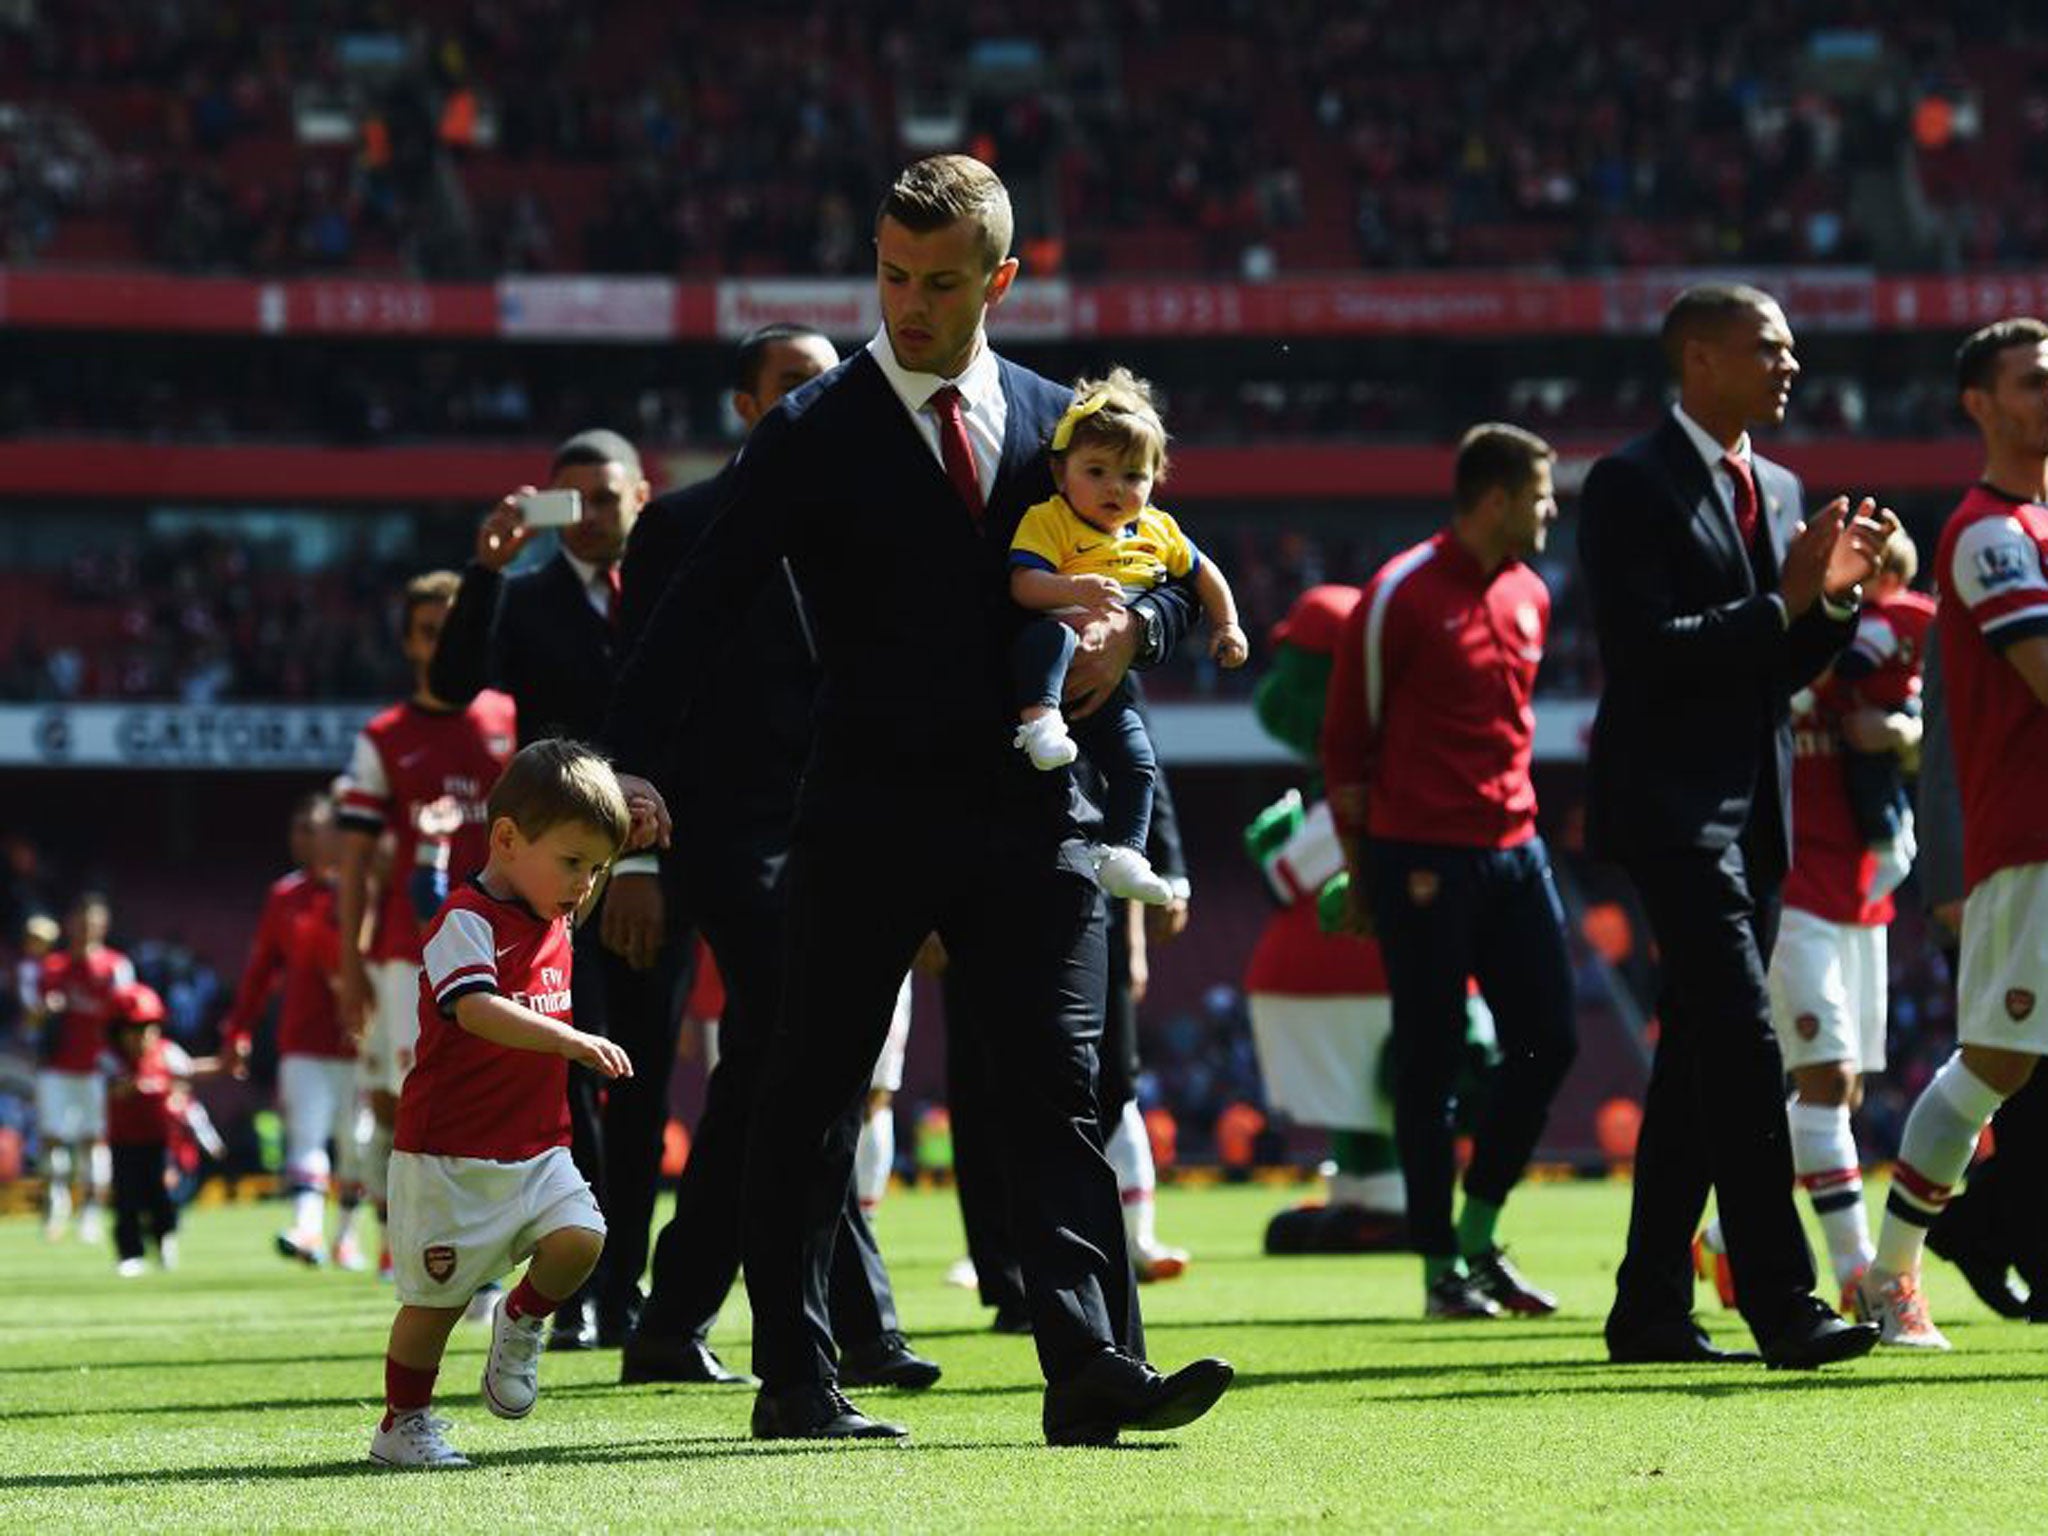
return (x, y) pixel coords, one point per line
(1829, 993)
(71, 1106)
(458, 1222)
(393, 1037)
(2002, 985)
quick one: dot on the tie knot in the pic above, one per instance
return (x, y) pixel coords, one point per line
(946, 400)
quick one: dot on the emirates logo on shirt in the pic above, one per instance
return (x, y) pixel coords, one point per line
(2019, 1003)
(439, 1260)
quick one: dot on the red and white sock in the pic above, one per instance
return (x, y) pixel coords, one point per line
(527, 1301)
(1824, 1157)
(874, 1156)
(1129, 1151)
(406, 1389)
(1939, 1140)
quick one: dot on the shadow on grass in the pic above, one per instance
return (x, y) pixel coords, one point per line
(1423, 1331)
(611, 1453)
(57, 1368)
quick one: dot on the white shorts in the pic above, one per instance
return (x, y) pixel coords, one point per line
(458, 1222)
(320, 1098)
(1320, 1058)
(394, 1032)
(71, 1106)
(889, 1065)
(1828, 992)
(2002, 984)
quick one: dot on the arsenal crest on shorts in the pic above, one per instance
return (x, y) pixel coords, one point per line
(2019, 1003)
(1808, 1025)
(440, 1262)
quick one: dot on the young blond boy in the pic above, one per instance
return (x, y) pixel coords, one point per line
(480, 1172)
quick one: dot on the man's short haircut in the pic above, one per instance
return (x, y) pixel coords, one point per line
(752, 353)
(86, 900)
(427, 587)
(1704, 310)
(552, 782)
(1977, 357)
(317, 806)
(1496, 454)
(943, 189)
(599, 445)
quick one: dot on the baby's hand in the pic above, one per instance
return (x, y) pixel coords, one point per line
(1229, 646)
(1098, 594)
(599, 1054)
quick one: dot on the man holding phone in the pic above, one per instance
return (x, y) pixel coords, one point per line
(549, 637)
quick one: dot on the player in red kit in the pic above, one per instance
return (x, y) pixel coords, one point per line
(297, 950)
(77, 985)
(1426, 749)
(1991, 569)
(481, 1175)
(147, 1105)
(419, 771)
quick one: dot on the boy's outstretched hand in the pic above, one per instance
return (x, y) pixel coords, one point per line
(599, 1054)
(1229, 646)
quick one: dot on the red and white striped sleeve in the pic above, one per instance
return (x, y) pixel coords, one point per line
(461, 956)
(363, 793)
(1995, 572)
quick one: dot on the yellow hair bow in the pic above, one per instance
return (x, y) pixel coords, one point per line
(1078, 412)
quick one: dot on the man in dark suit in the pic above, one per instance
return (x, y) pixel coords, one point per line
(893, 485)
(549, 637)
(731, 785)
(1713, 604)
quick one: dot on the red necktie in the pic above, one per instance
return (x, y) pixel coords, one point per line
(955, 451)
(1745, 498)
(612, 589)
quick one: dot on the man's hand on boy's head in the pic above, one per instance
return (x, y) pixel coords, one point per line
(599, 1054)
(503, 532)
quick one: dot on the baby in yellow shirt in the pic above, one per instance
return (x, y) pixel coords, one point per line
(1097, 543)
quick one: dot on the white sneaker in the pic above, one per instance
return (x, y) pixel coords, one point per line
(414, 1440)
(961, 1273)
(128, 1269)
(300, 1247)
(512, 1369)
(1155, 1262)
(89, 1228)
(1126, 872)
(1895, 1304)
(1046, 742)
(347, 1254)
(483, 1302)
(167, 1252)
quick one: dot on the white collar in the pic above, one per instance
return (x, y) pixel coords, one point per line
(1705, 443)
(980, 383)
(586, 573)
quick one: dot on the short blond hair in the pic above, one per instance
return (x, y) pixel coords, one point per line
(1127, 422)
(1900, 557)
(427, 587)
(552, 782)
(940, 190)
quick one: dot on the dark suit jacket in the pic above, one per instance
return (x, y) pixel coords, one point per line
(732, 769)
(913, 618)
(535, 636)
(1692, 734)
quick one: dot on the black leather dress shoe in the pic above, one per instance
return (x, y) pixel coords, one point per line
(1817, 1337)
(1012, 1317)
(886, 1361)
(656, 1357)
(1115, 1392)
(1680, 1343)
(575, 1326)
(1989, 1274)
(816, 1413)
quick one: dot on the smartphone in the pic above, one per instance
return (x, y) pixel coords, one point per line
(551, 509)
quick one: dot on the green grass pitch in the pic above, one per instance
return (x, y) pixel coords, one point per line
(237, 1395)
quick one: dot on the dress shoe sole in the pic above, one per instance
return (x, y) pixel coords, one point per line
(636, 1373)
(902, 1378)
(1201, 1386)
(1719, 1357)
(1831, 1349)
(873, 1430)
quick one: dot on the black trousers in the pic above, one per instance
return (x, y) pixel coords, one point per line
(862, 896)
(1714, 1113)
(979, 1176)
(620, 1125)
(1114, 737)
(734, 896)
(143, 1206)
(1446, 916)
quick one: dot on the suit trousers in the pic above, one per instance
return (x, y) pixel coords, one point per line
(640, 1011)
(736, 903)
(1714, 1112)
(862, 897)
(1447, 915)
